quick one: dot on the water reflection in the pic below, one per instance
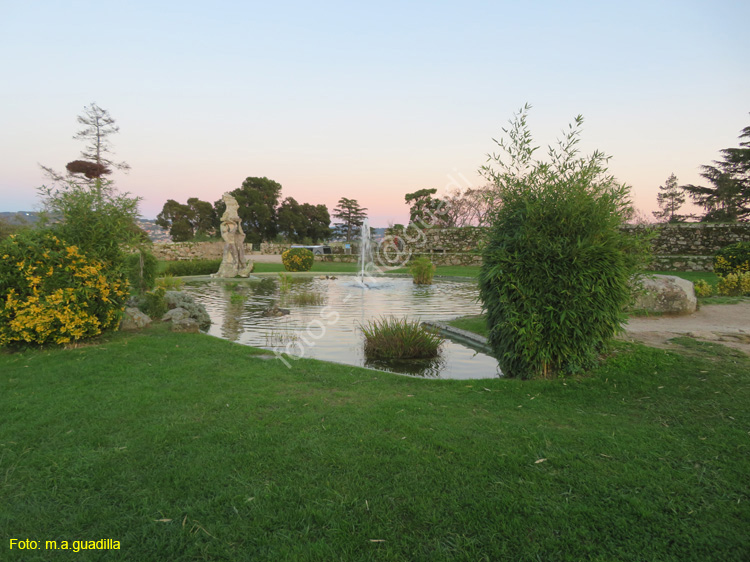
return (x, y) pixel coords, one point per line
(325, 315)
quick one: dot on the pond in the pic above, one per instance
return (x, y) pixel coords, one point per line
(325, 315)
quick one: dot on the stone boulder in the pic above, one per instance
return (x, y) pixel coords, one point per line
(666, 294)
(175, 315)
(185, 325)
(134, 319)
(275, 311)
(180, 299)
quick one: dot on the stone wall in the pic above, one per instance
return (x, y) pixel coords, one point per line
(676, 247)
(691, 246)
(173, 251)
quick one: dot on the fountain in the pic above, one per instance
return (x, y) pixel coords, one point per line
(365, 254)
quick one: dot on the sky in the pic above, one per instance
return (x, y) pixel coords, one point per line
(368, 101)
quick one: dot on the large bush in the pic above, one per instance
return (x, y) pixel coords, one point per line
(192, 267)
(94, 217)
(52, 293)
(297, 259)
(140, 268)
(556, 270)
(734, 258)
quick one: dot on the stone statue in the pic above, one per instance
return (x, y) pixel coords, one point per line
(233, 262)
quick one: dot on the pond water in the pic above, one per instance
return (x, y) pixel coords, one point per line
(328, 327)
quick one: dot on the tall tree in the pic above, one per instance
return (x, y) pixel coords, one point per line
(98, 126)
(257, 199)
(184, 222)
(424, 207)
(319, 228)
(292, 222)
(205, 221)
(179, 219)
(92, 213)
(350, 216)
(729, 198)
(671, 198)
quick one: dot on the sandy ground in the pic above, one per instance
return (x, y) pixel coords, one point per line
(728, 324)
(265, 258)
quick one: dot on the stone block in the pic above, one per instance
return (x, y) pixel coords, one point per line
(666, 294)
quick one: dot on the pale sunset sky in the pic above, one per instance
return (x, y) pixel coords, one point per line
(365, 100)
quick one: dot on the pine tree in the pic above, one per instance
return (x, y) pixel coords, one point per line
(729, 198)
(670, 200)
(350, 216)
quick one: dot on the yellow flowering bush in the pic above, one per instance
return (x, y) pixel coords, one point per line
(734, 258)
(50, 292)
(297, 259)
(703, 288)
(734, 284)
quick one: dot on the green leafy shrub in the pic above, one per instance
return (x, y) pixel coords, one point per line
(734, 258)
(192, 267)
(95, 217)
(140, 269)
(154, 303)
(703, 288)
(395, 338)
(169, 282)
(556, 270)
(422, 271)
(297, 259)
(50, 292)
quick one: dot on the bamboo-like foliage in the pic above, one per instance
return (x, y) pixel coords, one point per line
(556, 270)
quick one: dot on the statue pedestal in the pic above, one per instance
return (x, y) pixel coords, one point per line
(229, 269)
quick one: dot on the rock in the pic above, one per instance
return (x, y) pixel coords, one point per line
(185, 325)
(175, 315)
(134, 319)
(703, 335)
(276, 311)
(180, 299)
(666, 294)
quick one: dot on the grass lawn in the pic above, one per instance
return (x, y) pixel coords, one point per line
(708, 276)
(187, 447)
(476, 324)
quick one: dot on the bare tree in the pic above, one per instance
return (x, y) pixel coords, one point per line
(98, 126)
(470, 207)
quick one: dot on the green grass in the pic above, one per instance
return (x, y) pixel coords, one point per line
(476, 324)
(186, 447)
(708, 276)
(318, 267)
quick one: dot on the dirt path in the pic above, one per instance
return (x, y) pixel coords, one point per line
(728, 324)
(265, 258)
